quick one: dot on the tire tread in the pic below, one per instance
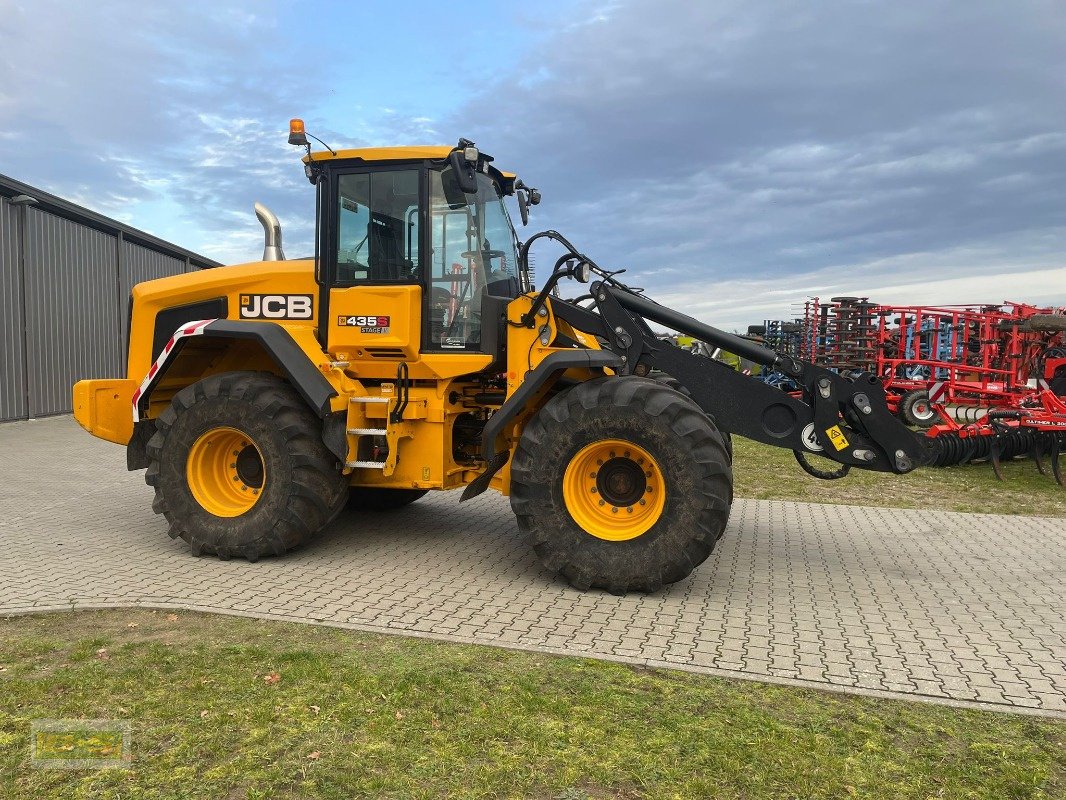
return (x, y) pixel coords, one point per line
(671, 558)
(317, 488)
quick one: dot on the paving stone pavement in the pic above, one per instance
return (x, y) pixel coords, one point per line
(964, 608)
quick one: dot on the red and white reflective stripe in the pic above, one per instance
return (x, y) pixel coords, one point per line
(188, 329)
(938, 392)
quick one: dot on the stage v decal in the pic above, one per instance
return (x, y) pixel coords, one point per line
(371, 323)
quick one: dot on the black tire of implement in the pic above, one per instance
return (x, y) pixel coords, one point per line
(675, 384)
(691, 456)
(304, 488)
(906, 409)
(756, 330)
(375, 498)
(1057, 384)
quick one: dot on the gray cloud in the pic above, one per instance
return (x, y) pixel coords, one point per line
(699, 142)
(718, 150)
(181, 111)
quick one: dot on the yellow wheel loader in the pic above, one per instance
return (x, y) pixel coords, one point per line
(413, 353)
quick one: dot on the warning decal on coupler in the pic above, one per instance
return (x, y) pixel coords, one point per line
(836, 437)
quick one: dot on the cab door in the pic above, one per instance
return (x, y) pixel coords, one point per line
(375, 295)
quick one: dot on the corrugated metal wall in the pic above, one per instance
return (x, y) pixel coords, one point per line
(12, 370)
(69, 317)
(73, 327)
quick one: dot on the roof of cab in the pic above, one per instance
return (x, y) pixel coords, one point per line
(370, 154)
(433, 152)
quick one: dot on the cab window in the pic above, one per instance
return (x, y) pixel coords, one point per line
(473, 247)
(377, 237)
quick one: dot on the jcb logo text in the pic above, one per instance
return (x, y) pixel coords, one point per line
(277, 306)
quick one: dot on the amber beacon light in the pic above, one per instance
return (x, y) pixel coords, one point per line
(297, 135)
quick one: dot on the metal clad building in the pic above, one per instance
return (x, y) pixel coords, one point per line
(65, 278)
(12, 326)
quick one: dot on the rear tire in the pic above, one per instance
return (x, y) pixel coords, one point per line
(915, 409)
(249, 430)
(375, 498)
(621, 440)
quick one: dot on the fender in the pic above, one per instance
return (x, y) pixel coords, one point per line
(275, 341)
(546, 370)
(278, 343)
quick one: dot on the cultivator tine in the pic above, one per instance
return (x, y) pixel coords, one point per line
(995, 452)
(1056, 468)
(1036, 452)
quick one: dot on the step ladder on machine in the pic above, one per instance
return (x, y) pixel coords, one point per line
(394, 428)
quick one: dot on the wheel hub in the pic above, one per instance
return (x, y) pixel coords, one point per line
(621, 481)
(614, 490)
(225, 472)
(249, 466)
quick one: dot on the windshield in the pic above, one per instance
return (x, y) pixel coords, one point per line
(473, 246)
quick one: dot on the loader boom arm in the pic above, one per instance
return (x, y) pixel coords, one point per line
(845, 419)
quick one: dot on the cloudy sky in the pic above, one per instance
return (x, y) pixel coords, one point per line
(736, 157)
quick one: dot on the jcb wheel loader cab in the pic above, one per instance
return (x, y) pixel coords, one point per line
(622, 484)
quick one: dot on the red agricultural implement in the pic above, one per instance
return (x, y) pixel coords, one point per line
(1035, 427)
(969, 356)
(987, 381)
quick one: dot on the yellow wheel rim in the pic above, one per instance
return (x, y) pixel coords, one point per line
(614, 490)
(225, 472)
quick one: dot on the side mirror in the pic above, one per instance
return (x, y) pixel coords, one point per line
(465, 172)
(523, 206)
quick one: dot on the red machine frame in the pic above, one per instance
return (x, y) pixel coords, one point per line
(1001, 370)
(968, 355)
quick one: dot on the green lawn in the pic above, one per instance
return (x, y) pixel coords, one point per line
(236, 708)
(770, 473)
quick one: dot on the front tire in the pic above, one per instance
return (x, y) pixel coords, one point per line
(587, 460)
(239, 467)
(676, 385)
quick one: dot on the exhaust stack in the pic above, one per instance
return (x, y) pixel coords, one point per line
(271, 233)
